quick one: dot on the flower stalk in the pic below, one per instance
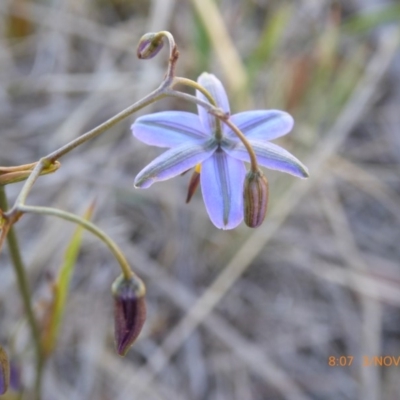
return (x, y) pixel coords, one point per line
(164, 89)
(115, 250)
(195, 85)
(207, 94)
(23, 287)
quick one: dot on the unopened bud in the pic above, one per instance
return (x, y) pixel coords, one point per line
(4, 371)
(255, 195)
(129, 311)
(149, 45)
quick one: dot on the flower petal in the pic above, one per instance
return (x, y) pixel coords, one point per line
(262, 125)
(269, 155)
(173, 162)
(217, 91)
(222, 180)
(168, 129)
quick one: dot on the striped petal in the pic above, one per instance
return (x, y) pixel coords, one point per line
(168, 129)
(269, 155)
(222, 179)
(217, 91)
(262, 125)
(173, 162)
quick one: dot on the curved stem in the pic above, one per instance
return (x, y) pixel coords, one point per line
(188, 82)
(29, 183)
(162, 91)
(173, 55)
(243, 139)
(150, 98)
(159, 93)
(190, 98)
(125, 267)
(23, 286)
(46, 161)
(206, 93)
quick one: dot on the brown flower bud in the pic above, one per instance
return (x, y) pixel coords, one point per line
(4, 371)
(129, 311)
(255, 195)
(149, 45)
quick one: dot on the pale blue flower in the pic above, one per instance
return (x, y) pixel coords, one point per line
(191, 139)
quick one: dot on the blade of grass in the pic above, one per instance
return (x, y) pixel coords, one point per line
(225, 49)
(346, 78)
(362, 23)
(61, 286)
(202, 45)
(270, 39)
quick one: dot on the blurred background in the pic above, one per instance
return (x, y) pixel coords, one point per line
(239, 315)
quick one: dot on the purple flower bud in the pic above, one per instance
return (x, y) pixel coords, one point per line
(129, 311)
(149, 45)
(4, 371)
(255, 195)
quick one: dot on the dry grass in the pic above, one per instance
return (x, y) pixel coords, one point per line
(231, 315)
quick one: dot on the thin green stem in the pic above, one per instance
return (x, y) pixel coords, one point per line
(18, 208)
(159, 93)
(243, 139)
(207, 94)
(150, 98)
(193, 99)
(29, 183)
(23, 286)
(125, 267)
(173, 56)
(195, 85)
(46, 161)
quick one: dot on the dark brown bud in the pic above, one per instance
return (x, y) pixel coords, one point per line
(149, 45)
(255, 195)
(129, 311)
(4, 371)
